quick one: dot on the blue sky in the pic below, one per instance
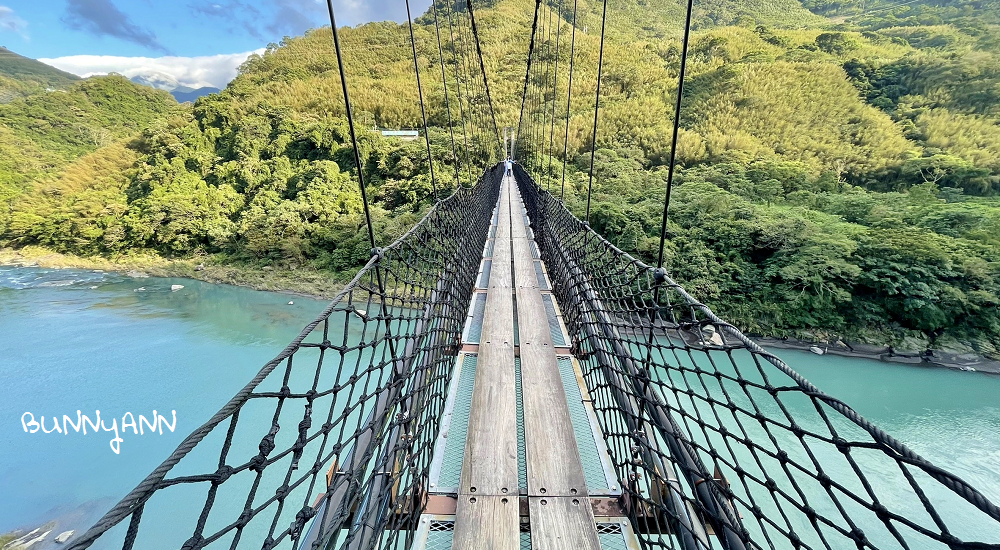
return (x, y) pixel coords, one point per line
(104, 33)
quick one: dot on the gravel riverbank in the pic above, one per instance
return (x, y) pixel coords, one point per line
(933, 358)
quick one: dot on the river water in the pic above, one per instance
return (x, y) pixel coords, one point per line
(76, 340)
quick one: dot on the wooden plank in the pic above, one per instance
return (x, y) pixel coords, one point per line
(517, 230)
(561, 523)
(486, 515)
(524, 267)
(493, 522)
(554, 467)
(490, 466)
(553, 461)
(559, 510)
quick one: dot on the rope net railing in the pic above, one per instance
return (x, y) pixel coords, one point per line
(717, 442)
(330, 444)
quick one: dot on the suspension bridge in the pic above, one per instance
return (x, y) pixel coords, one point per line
(501, 376)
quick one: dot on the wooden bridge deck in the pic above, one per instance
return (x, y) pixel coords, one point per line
(550, 506)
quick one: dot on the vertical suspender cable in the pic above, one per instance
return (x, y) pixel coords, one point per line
(527, 72)
(660, 272)
(447, 102)
(533, 95)
(676, 129)
(544, 90)
(555, 90)
(569, 100)
(420, 92)
(597, 106)
(478, 140)
(350, 123)
(535, 111)
(470, 90)
(458, 87)
(482, 66)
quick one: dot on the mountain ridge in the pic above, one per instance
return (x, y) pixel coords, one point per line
(834, 178)
(15, 66)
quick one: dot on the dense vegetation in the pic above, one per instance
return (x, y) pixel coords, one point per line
(21, 76)
(836, 177)
(42, 133)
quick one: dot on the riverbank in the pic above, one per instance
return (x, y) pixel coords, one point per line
(298, 280)
(932, 358)
(306, 281)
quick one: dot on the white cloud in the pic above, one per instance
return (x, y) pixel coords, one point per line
(9, 21)
(196, 72)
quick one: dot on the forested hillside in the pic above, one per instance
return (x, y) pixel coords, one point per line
(837, 176)
(43, 132)
(21, 76)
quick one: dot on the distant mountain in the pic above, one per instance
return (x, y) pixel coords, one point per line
(165, 82)
(160, 81)
(22, 68)
(184, 94)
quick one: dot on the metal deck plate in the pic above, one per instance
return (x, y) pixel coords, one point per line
(453, 450)
(484, 274)
(596, 465)
(558, 338)
(474, 324)
(435, 533)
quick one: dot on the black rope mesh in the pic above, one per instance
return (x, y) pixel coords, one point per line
(709, 433)
(349, 410)
(716, 442)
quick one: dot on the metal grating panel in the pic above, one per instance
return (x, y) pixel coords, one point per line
(534, 250)
(590, 454)
(474, 328)
(438, 525)
(517, 334)
(454, 450)
(558, 339)
(522, 462)
(611, 536)
(604, 528)
(484, 275)
(440, 535)
(488, 253)
(543, 282)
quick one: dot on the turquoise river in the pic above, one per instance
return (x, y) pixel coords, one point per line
(78, 340)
